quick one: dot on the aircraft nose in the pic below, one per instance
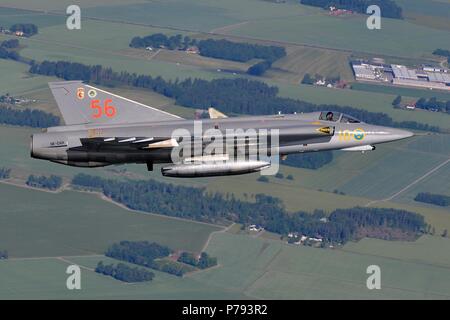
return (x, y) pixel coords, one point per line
(399, 134)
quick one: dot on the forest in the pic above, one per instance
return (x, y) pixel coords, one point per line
(160, 40)
(3, 254)
(312, 160)
(433, 104)
(436, 199)
(389, 8)
(237, 51)
(204, 262)
(125, 273)
(27, 117)
(6, 51)
(28, 29)
(232, 96)
(10, 44)
(5, 173)
(219, 49)
(150, 255)
(52, 183)
(268, 212)
(443, 53)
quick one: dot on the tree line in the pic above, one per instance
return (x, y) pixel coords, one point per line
(52, 183)
(268, 212)
(28, 29)
(312, 160)
(204, 262)
(27, 117)
(3, 254)
(436, 199)
(233, 96)
(443, 53)
(219, 49)
(5, 173)
(7, 50)
(151, 255)
(239, 51)
(160, 40)
(124, 272)
(433, 104)
(389, 8)
(10, 44)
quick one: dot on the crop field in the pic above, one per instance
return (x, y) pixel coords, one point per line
(255, 19)
(55, 42)
(254, 268)
(433, 14)
(402, 91)
(75, 223)
(15, 79)
(397, 37)
(366, 100)
(45, 278)
(182, 57)
(44, 232)
(363, 177)
(61, 5)
(269, 269)
(302, 60)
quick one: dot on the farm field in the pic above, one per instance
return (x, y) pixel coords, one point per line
(348, 33)
(254, 18)
(54, 42)
(15, 79)
(45, 278)
(254, 268)
(433, 14)
(269, 269)
(402, 91)
(301, 60)
(75, 223)
(363, 177)
(366, 100)
(44, 231)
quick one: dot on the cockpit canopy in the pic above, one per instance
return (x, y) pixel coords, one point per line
(337, 116)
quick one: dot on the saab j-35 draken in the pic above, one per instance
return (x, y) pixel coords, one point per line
(102, 129)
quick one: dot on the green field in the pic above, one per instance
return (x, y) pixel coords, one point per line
(302, 60)
(255, 268)
(44, 232)
(370, 101)
(15, 79)
(430, 13)
(74, 223)
(363, 177)
(348, 34)
(91, 46)
(267, 269)
(46, 279)
(404, 92)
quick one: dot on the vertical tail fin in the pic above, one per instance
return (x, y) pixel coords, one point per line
(81, 103)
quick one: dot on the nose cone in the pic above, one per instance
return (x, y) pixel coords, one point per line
(398, 134)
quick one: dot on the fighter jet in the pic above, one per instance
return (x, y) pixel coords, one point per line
(102, 128)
